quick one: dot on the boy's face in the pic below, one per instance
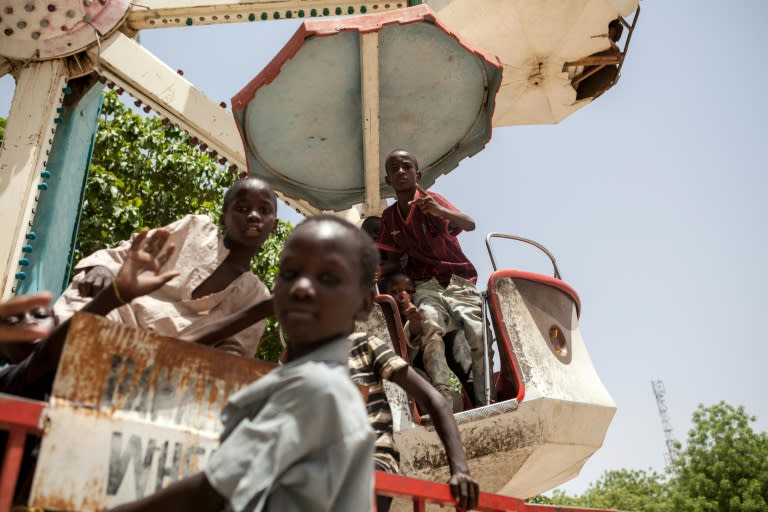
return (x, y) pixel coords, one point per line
(401, 289)
(402, 173)
(319, 292)
(41, 317)
(252, 215)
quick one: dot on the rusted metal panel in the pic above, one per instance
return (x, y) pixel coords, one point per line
(130, 413)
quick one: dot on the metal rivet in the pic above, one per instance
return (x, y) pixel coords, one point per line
(8, 32)
(87, 18)
(66, 90)
(71, 13)
(188, 21)
(30, 235)
(60, 110)
(35, 35)
(45, 174)
(21, 24)
(51, 8)
(23, 262)
(313, 12)
(42, 186)
(21, 276)
(338, 11)
(264, 16)
(251, 17)
(326, 12)
(44, 23)
(29, 7)
(301, 13)
(26, 248)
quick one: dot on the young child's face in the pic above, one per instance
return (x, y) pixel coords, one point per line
(41, 317)
(402, 173)
(401, 289)
(252, 214)
(319, 292)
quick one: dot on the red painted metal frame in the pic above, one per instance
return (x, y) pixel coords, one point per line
(497, 317)
(397, 335)
(421, 492)
(19, 417)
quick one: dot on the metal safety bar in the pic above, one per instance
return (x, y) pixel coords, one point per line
(520, 239)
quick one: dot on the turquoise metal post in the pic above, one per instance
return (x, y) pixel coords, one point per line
(47, 259)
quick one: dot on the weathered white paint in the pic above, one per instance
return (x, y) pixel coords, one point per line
(534, 40)
(369, 71)
(23, 155)
(126, 421)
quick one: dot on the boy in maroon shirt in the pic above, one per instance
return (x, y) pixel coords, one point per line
(423, 226)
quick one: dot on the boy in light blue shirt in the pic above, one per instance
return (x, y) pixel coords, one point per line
(298, 439)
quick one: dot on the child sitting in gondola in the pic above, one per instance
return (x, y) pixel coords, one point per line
(437, 364)
(423, 226)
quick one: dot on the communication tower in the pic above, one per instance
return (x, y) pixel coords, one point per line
(669, 436)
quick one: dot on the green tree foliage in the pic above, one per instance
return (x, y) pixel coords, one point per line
(3, 122)
(145, 173)
(623, 489)
(723, 468)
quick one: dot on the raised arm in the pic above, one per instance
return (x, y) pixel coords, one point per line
(428, 204)
(463, 487)
(138, 276)
(232, 324)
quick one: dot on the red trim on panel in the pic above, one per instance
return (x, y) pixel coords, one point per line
(543, 279)
(498, 318)
(362, 24)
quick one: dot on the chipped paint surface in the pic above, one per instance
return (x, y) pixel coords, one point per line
(130, 413)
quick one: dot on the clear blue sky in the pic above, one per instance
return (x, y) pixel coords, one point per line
(652, 199)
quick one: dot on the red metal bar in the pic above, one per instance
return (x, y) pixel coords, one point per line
(11, 464)
(19, 417)
(422, 492)
(20, 413)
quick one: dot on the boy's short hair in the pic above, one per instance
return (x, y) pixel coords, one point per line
(403, 152)
(371, 225)
(229, 195)
(367, 251)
